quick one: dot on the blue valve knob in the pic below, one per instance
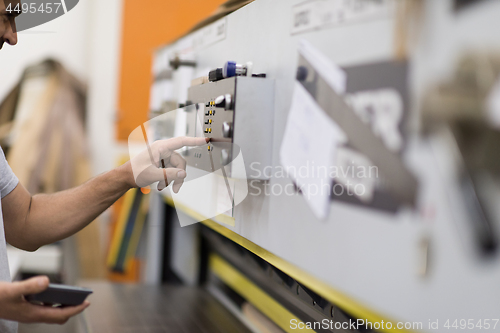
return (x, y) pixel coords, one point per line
(229, 69)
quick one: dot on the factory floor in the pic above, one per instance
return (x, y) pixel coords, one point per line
(129, 308)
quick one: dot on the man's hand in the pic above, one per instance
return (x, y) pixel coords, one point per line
(14, 307)
(160, 163)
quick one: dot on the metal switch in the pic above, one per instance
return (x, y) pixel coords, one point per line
(224, 101)
(225, 157)
(227, 129)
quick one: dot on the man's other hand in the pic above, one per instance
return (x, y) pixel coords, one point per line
(14, 307)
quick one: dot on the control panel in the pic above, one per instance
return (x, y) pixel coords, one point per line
(236, 113)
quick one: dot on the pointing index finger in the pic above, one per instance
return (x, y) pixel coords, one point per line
(184, 141)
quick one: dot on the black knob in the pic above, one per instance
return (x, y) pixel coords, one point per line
(178, 62)
(215, 75)
(224, 101)
(301, 73)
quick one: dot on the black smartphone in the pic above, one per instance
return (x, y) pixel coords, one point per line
(60, 295)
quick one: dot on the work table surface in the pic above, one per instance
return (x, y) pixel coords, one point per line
(124, 308)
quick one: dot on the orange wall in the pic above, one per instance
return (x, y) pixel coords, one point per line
(148, 24)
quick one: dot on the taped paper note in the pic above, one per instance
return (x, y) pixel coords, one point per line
(356, 173)
(383, 110)
(308, 149)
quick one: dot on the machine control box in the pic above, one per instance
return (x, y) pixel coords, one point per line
(237, 114)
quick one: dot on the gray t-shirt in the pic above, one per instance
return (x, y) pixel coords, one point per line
(8, 182)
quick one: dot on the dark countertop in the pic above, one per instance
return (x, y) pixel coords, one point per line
(124, 308)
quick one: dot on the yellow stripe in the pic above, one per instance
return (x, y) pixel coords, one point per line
(226, 219)
(120, 227)
(346, 303)
(253, 294)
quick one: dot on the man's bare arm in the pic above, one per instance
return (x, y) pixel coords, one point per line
(33, 221)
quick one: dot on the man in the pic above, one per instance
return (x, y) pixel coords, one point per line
(28, 222)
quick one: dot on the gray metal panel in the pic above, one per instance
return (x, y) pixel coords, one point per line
(399, 181)
(252, 117)
(208, 91)
(253, 123)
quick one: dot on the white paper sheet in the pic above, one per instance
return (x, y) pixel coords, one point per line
(383, 110)
(322, 14)
(308, 148)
